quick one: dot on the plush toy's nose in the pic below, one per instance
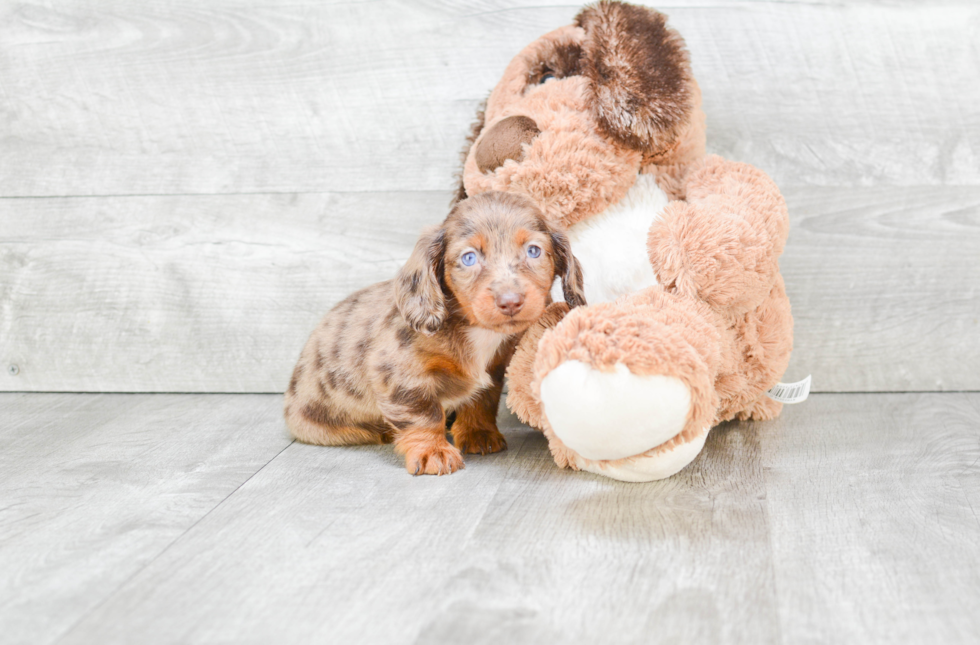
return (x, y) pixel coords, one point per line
(510, 303)
(503, 141)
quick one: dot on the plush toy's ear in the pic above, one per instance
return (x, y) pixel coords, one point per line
(639, 73)
(418, 286)
(475, 131)
(567, 266)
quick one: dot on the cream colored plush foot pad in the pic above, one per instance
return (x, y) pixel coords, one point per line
(602, 415)
(648, 469)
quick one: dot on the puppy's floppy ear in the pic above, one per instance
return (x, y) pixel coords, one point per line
(418, 286)
(566, 266)
(639, 74)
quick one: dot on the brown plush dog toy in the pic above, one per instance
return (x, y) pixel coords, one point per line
(688, 323)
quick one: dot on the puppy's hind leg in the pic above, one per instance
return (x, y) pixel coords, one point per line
(312, 422)
(307, 430)
(315, 411)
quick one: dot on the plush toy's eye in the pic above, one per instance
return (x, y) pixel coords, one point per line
(534, 251)
(547, 77)
(468, 259)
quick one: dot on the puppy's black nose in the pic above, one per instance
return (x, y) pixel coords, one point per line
(510, 303)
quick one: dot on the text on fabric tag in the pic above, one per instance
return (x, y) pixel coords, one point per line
(790, 392)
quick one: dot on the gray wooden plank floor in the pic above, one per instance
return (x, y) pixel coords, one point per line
(94, 487)
(194, 519)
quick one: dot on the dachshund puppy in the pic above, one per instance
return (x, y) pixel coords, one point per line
(387, 363)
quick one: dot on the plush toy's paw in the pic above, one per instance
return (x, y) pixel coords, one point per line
(635, 412)
(660, 463)
(722, 245)
(746, 185)
(762, 409)
(627, 387)
(563, 456)
(608, 421)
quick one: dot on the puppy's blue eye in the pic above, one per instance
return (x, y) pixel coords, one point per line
(547, 77)
(534, 251)
(468, 259)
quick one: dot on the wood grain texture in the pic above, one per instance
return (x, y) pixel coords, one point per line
(175, 97)
(864, 112)
(93, 488)
(885, 288)
(342, 546)
(184, 294)
(849, 519)
(875, 516)
(219, 293)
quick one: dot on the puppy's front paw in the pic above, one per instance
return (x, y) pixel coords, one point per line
(480, 442)
(433, 460)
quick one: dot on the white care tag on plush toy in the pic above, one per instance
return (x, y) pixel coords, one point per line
(790, 392)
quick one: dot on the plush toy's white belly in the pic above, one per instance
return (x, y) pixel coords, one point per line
(611, 247)
(607, 416)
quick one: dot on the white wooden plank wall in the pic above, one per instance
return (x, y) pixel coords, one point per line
(185, 187)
